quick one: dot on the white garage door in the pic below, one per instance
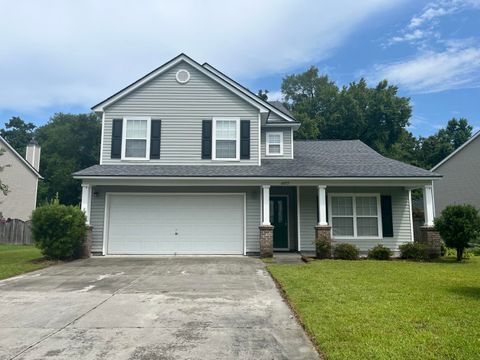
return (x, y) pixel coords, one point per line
(175, 224)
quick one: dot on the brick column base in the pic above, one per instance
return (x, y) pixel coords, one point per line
(431, 238)
(86, 249)
(323, 232)
(266, 241)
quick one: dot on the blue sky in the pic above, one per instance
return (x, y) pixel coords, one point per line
(58, 56)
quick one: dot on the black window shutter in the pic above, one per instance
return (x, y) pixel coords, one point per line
(155, 135)
(206, 139)
(245, 139)
(116, 152)
(387, 218)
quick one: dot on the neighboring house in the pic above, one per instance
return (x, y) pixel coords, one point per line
(21, 175)
(461, 176)
(193, 163)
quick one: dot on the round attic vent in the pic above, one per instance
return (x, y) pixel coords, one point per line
(182, 76)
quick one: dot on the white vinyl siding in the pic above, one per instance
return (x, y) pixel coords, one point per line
(182, 107)
(252, 216)
(400, 215)
(287, 146)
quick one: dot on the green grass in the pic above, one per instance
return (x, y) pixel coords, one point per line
(19, 259)
(387, 309)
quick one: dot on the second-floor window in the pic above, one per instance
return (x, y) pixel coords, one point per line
(226, 139)
(274, 143)
(137, 138)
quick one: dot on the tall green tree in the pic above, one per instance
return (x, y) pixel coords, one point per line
(69, 143)
(377, 116)
(438, 146)
(18, 133)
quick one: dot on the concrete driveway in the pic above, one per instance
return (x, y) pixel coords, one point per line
(149, 308)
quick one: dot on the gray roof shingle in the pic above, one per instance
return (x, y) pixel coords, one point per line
(280, 107)
(313, 159)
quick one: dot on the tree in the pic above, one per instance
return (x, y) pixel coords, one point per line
(69, 143)
(18, 133)
(263, 94)
(377, 116)
(458, 226)
(438, 146)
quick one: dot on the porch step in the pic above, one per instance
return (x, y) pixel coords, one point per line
(288, 258)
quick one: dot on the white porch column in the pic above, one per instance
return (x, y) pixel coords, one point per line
(428, 204)
(266, 204)
(322, 205)
(86, 200)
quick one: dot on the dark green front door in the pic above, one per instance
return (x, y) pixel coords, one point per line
(279, 219)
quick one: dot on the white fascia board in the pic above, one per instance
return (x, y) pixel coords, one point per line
(477, 134)
(265, 103)
(294, 126)
(25, 162)
(276, 179)
(101, 106)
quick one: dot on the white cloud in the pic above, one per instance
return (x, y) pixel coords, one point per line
(275, 95)
(422, 29)
(59, 52)
(433, 71)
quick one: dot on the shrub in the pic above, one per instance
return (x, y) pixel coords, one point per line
(58, 230)
(458, 226)
(346, 251)
(414, 251)
(379, 252)
(467, 253)
(323, 248)
(476, 250)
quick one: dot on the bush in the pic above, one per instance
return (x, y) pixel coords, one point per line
(58, 230)
(476, 250)
(323, 248)
(458, 226)
(414, 251)
(467, 253)
(346, 251)
(379, 252)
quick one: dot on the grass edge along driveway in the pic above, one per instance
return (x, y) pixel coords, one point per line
(387, 309)
(20, 259)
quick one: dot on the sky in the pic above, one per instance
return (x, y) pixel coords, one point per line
(66, 56)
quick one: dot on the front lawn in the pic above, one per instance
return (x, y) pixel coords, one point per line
(19, 259)
(387, 309)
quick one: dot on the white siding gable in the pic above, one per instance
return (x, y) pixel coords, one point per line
(181, 107)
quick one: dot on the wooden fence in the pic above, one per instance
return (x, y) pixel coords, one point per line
(15, 231)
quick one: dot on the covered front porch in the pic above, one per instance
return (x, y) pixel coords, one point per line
(360, 213)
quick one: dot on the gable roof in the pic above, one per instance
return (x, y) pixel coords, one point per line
(324, 159)
(284, 114)
(465, 144)
(212, 73)
(21, 158)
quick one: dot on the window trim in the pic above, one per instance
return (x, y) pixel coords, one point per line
(124, 137)
(354, 204)
(267, 143)
(214, 138)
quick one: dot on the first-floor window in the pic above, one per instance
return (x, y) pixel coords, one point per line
(226, 139)
(355, 215)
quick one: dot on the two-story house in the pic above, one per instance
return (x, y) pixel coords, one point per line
(193, 163)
